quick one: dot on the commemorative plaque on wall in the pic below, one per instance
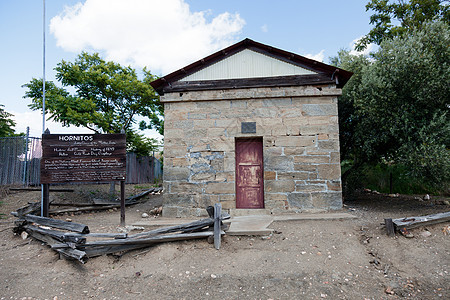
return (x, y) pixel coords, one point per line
(83, 158)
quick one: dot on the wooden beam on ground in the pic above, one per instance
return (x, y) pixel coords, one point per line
(151, 240)
(413, 222)
(183, 227)
(70, 226)
(56, 234)
(86, 208)
(188, 227)
(68, 252)
(108, 249)
(81, 204)
(31, 208)
(99, 235)
(38, 190)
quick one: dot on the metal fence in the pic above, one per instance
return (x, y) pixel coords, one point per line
(20, 159)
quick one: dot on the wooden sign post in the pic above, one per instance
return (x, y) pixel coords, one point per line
(68, 158)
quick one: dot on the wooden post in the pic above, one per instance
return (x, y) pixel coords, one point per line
(45, 200)
(217, 229)
(391, 186)
(122, 203)
(389, 227)
(210, 211)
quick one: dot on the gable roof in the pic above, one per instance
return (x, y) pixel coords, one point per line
(304, 71)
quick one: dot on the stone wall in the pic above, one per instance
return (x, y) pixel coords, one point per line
(299, 126)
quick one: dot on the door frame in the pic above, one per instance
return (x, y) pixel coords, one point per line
(260, 140)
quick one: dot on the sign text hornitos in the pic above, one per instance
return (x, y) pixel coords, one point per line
(68, 138)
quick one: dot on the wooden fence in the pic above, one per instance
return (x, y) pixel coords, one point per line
(145, 169)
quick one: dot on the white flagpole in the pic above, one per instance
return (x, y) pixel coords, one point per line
(43, 94)
(43, 69)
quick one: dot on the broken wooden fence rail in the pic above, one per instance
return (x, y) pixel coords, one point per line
(76, 241)
(414, 222)
(188, 227)
(109, 249)
(80, 209)
(67, 252)
(55, 223)
(39, 189)
(31, 208)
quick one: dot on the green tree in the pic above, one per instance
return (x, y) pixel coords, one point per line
(106, 99)
(349, 117)
(398, 105)
(395, 18)
(6, 123)
(141, 145)
(405, 102)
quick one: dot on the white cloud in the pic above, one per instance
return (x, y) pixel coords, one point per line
(265, 28)
(33, 119)
(371, 47)
(161, 35)
(318, 56)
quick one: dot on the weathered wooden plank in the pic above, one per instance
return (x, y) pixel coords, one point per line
(102, 250)
(97, 251)
(31, 208)
(217, 221)
(73, 240)
(38, 189)
(151, 240)
(142, 194)
(56, 234)
(189, 227)
(60, 224)
(86, 208)
(67, 252)
(81, 204)
(100, 206)
(97, 235)
(106, 235)
(413, 222)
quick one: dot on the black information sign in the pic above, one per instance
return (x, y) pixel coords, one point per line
(83, 157)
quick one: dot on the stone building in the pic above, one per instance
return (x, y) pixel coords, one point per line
(252, 127)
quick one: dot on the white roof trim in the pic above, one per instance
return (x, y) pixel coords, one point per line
(247, 64)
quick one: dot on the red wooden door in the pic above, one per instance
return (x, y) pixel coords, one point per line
(249, 173)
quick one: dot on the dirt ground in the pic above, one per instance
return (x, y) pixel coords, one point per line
(341, 259)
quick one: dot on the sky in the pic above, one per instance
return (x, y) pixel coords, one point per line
(161, 35)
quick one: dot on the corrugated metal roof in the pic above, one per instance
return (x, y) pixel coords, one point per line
(247, 64)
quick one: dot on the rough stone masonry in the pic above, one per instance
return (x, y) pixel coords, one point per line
(299, 128)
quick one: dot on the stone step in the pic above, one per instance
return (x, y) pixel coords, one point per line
(239, 212)
(250, 225)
